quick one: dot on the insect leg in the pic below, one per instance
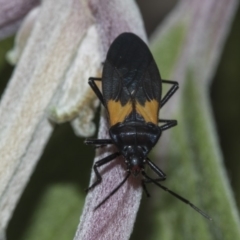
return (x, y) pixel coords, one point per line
(113, 191)
(99, 143)
(171, 91)
(91, 82)
(91, 141)
(145, 188)
(168, 124)
(177, 196)
(98, 164)
(157, 170)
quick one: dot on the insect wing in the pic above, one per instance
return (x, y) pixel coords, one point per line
(131, 80)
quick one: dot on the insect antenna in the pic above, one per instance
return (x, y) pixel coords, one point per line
(114, 191)
(178, 197)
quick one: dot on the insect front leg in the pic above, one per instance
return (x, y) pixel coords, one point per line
(170, 92)
(93, 85)
(168, 124)
(98, 164)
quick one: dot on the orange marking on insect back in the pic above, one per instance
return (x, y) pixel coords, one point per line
(117, 112)
(149, 111)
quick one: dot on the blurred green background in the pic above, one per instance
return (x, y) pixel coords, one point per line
(63, 171)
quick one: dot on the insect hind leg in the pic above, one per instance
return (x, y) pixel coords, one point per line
(93, 85)
(170, 92)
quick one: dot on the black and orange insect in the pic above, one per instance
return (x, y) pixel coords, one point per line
(132, 97)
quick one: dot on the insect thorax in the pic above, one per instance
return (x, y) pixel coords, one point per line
(135, 138)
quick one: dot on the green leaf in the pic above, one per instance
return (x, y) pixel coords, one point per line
(191, 156)
(167, 51)
(196, 171)
(57, 214)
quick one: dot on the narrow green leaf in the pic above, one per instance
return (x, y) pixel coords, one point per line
(57, 214)
(167, 52)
